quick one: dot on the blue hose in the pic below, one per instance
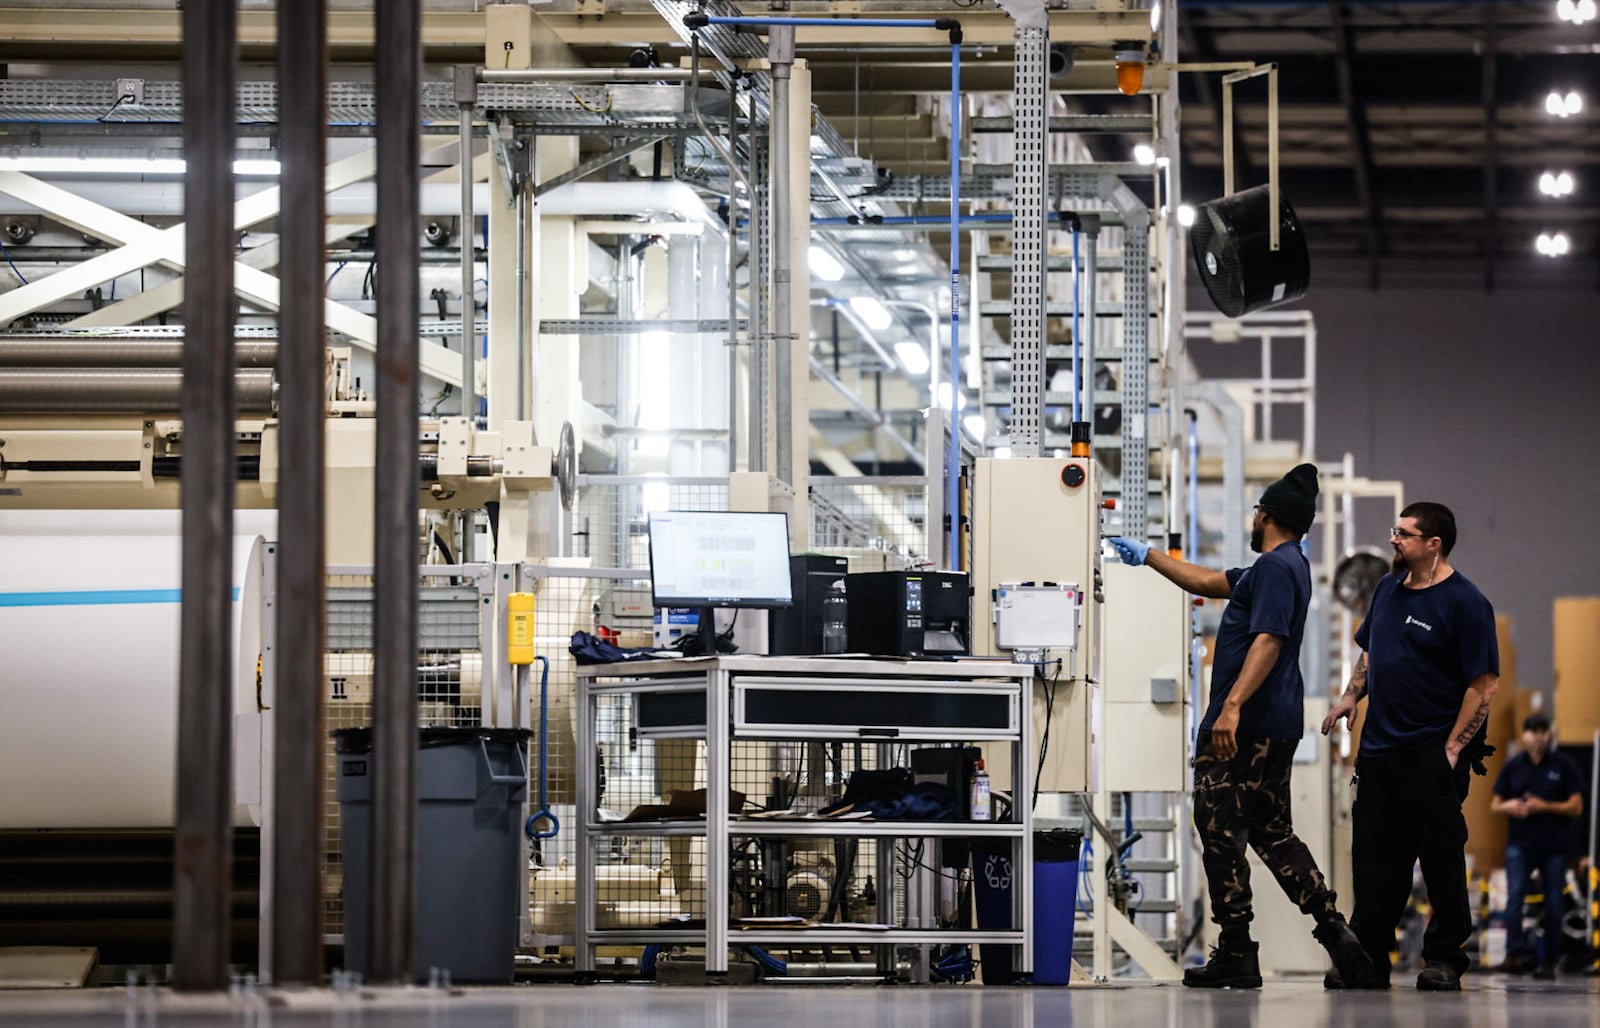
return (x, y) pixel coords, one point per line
(767, 960)
(543, 813)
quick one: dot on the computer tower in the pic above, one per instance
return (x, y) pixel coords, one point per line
(797, 630)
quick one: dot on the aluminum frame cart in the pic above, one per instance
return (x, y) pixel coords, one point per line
(815, 699)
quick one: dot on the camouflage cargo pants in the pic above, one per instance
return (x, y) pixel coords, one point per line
(1245, 802)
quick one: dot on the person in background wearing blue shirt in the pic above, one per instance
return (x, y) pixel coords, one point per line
(1541, 791)
(1245, 751)
(1429, 667)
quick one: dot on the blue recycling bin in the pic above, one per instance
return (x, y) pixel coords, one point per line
(1055, 906)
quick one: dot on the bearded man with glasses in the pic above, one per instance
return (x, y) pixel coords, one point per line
(1429, 667)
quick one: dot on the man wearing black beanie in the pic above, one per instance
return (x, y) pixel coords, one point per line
(1245, 751)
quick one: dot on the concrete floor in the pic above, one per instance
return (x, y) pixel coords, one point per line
(1487, 1002)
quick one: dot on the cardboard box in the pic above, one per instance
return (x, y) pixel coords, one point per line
(1577, 669)
(1486, 830)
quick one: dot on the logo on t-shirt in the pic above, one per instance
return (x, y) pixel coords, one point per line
(1420, 624)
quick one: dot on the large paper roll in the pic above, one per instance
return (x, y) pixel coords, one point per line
(89, 624)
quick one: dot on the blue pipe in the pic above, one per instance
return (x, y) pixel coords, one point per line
(984, 218)
(953, 465)
(543, 813)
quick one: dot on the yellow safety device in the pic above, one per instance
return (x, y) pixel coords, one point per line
(519, 628)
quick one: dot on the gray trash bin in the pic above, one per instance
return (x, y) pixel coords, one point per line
(471, 783)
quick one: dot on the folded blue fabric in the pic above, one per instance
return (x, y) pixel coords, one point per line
(591, 649)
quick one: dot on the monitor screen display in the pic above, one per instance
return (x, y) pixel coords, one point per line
(719, 559)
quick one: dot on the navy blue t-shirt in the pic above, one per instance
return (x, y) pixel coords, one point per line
(1270, 596)
(1424, 647)
(1555, 778)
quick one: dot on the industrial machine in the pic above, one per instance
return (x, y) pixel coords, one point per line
(1039, 521)
(909, 613)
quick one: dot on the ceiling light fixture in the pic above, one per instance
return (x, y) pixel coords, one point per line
(1576, 11)
(1186, 214)
(1557, 183)
(1563, 105)
(1155, 16)
(1145, 154)
(872, 311)
(1553, 244)
(824, 265)
(975, 426)
(913, 356)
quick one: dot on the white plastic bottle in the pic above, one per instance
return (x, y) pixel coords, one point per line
(979, 805)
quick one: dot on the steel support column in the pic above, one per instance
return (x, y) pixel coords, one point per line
(202, 887)
(1028, 243)
(298, 739)
(394, 688)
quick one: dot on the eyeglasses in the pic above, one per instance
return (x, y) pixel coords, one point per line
(1400, 533)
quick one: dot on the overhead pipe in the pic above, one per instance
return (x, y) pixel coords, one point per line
(929, 221)
(126, 391)
(781, 60)
(696, 21)
(560, 76)
(110, 352)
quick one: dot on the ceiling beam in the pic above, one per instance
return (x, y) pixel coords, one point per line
(1356, 124)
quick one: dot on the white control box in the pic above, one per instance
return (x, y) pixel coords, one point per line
(1034, 617)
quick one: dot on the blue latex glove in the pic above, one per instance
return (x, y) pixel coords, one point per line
(1132, 551)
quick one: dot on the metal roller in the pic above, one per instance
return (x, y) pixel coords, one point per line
(120, 391)
(89, 352)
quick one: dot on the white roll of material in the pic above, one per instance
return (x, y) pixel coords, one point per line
(89, 626)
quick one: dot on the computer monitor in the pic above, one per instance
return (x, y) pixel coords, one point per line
(710, 559)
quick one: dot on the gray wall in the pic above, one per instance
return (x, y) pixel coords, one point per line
(1487, 403)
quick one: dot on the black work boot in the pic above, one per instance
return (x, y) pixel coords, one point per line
(1439, 978)
(1378, 979)
(1231, 967)
(1350, 960)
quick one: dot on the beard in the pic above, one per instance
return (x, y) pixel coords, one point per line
(1258, 536)
(1399, 564)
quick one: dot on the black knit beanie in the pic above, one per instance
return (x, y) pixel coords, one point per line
(1292, 499)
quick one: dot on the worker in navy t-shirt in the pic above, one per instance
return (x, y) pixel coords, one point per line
(1429, 667)
(1541, 791)
(1251, 729)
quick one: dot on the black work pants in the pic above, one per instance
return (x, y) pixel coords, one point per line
(1408, 808)
(1244, 802)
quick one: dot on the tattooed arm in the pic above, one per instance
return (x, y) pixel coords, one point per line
(1346, 707)
(1474, 711)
